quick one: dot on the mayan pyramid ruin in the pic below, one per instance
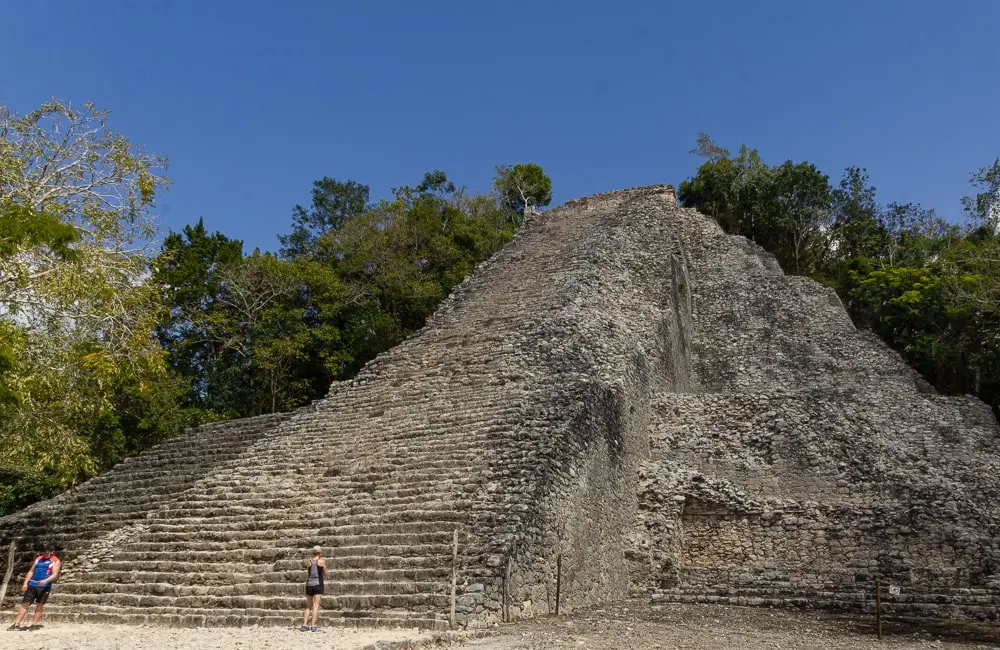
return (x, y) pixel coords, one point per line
(625, 401)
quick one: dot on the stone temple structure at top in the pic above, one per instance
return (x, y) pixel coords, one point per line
(625, 401)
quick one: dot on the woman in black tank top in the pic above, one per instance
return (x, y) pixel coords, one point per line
(316, 572)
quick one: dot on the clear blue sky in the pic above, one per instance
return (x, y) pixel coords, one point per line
(252, 101)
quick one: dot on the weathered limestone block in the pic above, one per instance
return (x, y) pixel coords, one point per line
(809, 457)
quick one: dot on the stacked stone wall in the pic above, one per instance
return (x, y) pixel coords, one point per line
(566, 475)
(808, 460)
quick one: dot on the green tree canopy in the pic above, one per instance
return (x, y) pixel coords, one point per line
(522, 186)
(76, 314)
(983, 207)
(334, 203)
(785, 209)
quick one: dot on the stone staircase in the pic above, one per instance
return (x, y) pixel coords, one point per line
(120, 500)
(384, 503)
(213, 528)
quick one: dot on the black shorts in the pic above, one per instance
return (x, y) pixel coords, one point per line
(36, 595)
(314, 590)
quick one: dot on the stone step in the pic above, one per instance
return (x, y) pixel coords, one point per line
(348, 566)
(231, 486)
(360, 499)
(390, 490)
(183, 471)
(206, 442)
(195, 617)
(415, 435)
(419, 439)
(434, 399)
(400, 477)
(210, 518)
(442, 454)
(439, 570)
(194, 561)
(293, 588)
(315, 511)
(410, 483)
(414, 602)
(221, 541)
(351, 557)
(287, 568)
(337, 528)
(180, 473)
(398, 484)
(191, 447)
(405, 420)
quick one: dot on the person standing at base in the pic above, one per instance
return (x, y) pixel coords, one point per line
(314, 587)
(37, 586)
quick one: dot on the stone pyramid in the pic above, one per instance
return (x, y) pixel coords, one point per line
(624, 401)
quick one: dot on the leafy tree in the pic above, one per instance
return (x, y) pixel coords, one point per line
(983, 207)
(713, 191)
(708, 149)
(23, 232)
(731, 190)
(258, 333)
(251, 334)
(943, 316)
(23, 228)
(398, 260)
(9, 345)
(187, 276)
(857, 229)
(785, 209)
(436, 182)
(522, 186)
(333, 204)
(75, 313)
(800, 199)
(913, 234)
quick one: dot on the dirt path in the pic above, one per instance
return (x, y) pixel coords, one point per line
(705, 627)
(620, 627)
(73, 636)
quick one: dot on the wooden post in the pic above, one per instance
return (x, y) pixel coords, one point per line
(558, 580)
(7, 574)
(878, 608)
(506, 592)
(454, 574)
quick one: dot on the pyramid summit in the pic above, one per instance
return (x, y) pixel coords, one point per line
(623, 402)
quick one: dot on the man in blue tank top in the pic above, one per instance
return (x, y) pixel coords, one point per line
(37, 586)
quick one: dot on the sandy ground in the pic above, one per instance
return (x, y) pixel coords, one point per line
(120, 637)
(626, 627)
